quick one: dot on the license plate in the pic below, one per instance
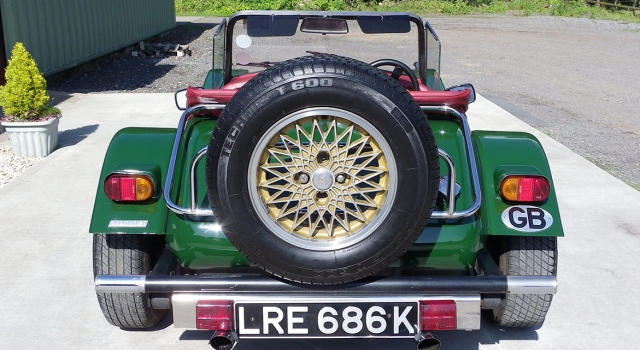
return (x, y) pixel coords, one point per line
(327, 320)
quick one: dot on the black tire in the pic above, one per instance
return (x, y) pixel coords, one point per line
(329, 88)
(525, 256)
(127, 255)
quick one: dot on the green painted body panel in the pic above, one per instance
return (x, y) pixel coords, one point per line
(449, 138)
(199, 243)
(515, 153)
(196, 136)
(134, 150)
(447, 244)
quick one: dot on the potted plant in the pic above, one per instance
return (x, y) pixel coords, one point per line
(31, 123)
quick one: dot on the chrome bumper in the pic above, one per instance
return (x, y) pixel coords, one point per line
(466, 291)
(184, 304)
(223, 284)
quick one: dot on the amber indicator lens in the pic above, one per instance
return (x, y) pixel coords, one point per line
(128, 188)
(525, 188)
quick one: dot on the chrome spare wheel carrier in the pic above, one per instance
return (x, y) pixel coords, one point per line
(450, 212)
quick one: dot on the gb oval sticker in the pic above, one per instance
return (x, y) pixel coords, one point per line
(527, 218)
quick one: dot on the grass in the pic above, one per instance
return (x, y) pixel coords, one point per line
(567, 8)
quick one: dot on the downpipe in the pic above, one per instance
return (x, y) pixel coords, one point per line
(224, 340)
(427, 341)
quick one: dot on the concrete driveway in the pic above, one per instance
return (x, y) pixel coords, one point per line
(47, 299)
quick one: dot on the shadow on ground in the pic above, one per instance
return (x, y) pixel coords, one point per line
(166, 322)
(72, 137)
(488, 334)
(57, 97)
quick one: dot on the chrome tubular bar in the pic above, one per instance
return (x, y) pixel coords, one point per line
(194, 165)
(451, 186)
(193, 210)
(451, 213)
(226, 284)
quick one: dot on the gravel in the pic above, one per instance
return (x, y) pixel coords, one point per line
(572, 78)
(124, 73)
(11, 167)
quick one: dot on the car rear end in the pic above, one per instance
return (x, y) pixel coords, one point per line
(491, 198)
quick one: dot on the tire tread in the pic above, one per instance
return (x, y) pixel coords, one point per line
(124, 255)
(526, 256)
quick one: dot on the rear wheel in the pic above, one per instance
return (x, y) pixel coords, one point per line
(127, 255)
(525, 256)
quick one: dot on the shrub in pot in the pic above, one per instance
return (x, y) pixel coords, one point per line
(31, 123)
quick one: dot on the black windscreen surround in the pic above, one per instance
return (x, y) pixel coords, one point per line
(266, 25)
(324, 25)
(385, 24)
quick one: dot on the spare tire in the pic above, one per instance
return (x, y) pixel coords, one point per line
(322, 170)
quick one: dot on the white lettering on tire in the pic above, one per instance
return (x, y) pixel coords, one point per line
(307, 83)
(297, 85)
(311, 83)
(326, 82)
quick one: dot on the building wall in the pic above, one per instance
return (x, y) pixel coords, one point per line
(61, 34)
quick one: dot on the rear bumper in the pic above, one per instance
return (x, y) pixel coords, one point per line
(184, 305)
(468, 292)
(223, 284)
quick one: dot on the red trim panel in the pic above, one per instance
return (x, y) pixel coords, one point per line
(237, 82)
(457, 100)
(197, 96)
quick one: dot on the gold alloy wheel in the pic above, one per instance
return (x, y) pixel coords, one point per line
(322, 178)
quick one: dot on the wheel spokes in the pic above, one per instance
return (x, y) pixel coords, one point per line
(322, 177)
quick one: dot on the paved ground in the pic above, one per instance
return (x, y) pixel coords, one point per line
(47, 299)
(574, 79)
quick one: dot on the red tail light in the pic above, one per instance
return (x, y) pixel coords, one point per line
(128, 188)
(438, 315)
(525, 188)
(215, 315)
